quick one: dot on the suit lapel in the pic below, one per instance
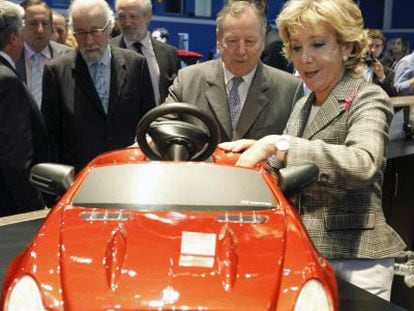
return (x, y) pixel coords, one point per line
(21, 67)
(84, 82)
(159, 57)
(56, 50)
(162, 63)
(118, 76)
(328, 112)
(297, 121)
(157, 50)
(8, 65)
(217, 96)
(332, 108)
(256, 101)
(53, 52)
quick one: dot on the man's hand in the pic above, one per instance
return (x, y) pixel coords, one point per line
(379, 70)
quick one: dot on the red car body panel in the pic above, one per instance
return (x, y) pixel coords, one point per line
(138, 261)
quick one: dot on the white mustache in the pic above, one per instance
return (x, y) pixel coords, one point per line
(96, 51)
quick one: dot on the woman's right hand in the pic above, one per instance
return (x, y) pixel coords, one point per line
(253, 151)
(237, 145)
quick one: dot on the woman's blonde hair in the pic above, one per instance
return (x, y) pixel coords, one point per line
(341, 16)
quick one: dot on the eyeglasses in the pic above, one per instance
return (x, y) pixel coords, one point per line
(94, 32)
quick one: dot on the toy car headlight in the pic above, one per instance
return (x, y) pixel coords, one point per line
(313, 296)
(25, 295)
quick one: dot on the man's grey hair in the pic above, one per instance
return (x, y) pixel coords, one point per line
(11, 21)
(79, 6)
(237, 8)
(145, 4)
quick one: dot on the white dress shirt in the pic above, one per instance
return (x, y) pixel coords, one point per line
(28, 53)
(154, 69)
(243, 88)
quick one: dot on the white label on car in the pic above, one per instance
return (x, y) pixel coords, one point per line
(196, 243)
(197, 249)
(196, 261)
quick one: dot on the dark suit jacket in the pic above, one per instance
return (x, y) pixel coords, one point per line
(388, 84)
(167, 59)
(56, 49)
(23, 141)
(77, 123)
(272, 54)
(268, 105)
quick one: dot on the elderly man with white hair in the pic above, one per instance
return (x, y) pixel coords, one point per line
(134, 17)
(94, 97)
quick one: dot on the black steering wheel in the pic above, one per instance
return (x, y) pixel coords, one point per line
(176, 140)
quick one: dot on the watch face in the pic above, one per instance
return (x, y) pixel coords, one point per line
(282, 144)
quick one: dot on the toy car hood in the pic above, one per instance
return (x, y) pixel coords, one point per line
(156, 259)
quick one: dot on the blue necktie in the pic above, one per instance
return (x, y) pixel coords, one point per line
(36, 77)
(98, 73)
(234, 101)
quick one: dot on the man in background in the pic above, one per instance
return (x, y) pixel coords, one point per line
(377, 72)
(134, 17)
(62, 32)
(22, 131)
(60, 28)
(38, 47)
(272, 54)
(404, 75)
(404, 83)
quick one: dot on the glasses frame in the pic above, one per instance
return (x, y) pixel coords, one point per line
(82, 34)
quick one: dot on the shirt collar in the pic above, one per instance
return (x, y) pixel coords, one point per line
(45, 52)
(248, 78)
(146, 41)
(8, 58)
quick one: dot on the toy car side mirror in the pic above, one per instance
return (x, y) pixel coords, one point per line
(52, 178)
(293, 180)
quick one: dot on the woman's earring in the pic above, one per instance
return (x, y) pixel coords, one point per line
(345, 58)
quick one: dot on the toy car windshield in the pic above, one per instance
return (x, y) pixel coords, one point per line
(166, 186)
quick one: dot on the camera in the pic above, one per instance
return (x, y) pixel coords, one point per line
(369, 59)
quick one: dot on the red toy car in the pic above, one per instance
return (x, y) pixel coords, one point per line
(133, 234)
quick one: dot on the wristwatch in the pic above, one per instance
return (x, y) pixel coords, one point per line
(282, 145)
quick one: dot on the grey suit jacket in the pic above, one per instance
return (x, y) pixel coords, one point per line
(342, 210)
(56, 49)
(268, 105)
(167, 60)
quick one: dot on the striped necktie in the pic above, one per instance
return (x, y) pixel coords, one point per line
(36, 77)
(234, 101)
(98, 73)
